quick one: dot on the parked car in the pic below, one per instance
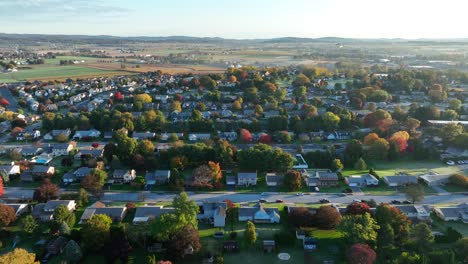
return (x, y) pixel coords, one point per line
(357, 201)
(324, 201)
(395, 202)
(407, 202)
(219, 234)
(263, 194)
(450, 163)
(299, 194)
(279, 201)
(263, 201)
(342, 194)
(347, 190)
(316, 189)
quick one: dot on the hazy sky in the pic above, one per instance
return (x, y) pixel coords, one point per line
(240, 18)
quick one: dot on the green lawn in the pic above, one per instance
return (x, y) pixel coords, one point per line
(57, 59)
(441, 226)
(454, 188)
(387, 168)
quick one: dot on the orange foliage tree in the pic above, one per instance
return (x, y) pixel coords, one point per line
(370, 138)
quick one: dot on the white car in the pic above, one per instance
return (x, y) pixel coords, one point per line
(299, 194)
(450, 163)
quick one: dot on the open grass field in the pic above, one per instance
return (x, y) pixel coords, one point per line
(57, 59)
(441, 226)
(412, 167)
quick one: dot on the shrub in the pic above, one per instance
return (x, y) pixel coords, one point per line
(284, 238)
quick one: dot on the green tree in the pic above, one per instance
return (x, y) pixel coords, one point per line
(359, 229)
(408, 258)
(387, 214)
(63, 215)
(360, 165)
(455, 104)
(379, 149)
(145, 148)
(336, 165)
(385, 237)
(250, 235)
(94, 181)
(95, 232)
(293, 180)
(353, 152)
(82, 197)
(421, 236)
(72, 252)
(414, 193)
(330, 121)
(301, 80)
(28, 224)
(126, 146)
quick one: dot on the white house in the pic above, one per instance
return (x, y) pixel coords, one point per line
(259, 214)
(362, 180)
(11, 169)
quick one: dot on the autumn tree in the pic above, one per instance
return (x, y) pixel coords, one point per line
(359, 228)
(96, 231)
(327, 217)
(176, 106)
(336, 165)
(357, 208)
(47, 191)
(421, 236)
(386, 214)
(455, 179)
(360, 254)
(301, 217)
(19, 256)
(370, 138)
(414, 193)
(202, 176)
(330, 121)
(245, 135)
(184, 239)
(379, 149)
(400, 139)
(7, 215)
(145, 148)
(2, 190)
(250, 235)
(94, 181)
(63, 215)
(293, 180)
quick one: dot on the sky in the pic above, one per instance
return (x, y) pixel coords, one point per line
(240, 19)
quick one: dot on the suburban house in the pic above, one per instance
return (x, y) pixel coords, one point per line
(85, 134)
(415, 212)
(453, 213)
(143, 214)
(143, 135)
(247, 178)
(44, 211)
(362, 180)
(116, 213)
(31, 151)
(214, 212)
(231, 180)
(19, 208)
(40, 171)
(61, 149)
(272, 179)
(54, 133)
(123, 176)
(326, 179)
(435, 179)
(81, 172)
(11, 169)
(259, 214)
(157, 177)
(199, 136)
(400, 180)
(92, 153)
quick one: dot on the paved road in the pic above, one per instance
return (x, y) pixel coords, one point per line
(242, 197)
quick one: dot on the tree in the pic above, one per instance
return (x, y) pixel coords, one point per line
(176, 106)
(176, 181)
(109, 151)
(461, 248)
(353, 152)
(400, 139)
(370, 138)
(138, 182)
(215, 171)
(145, 148)
(360, 254)
(178, 162)
(357, 208)
(202, 176)
(94, 181)
(15, 155)
(184, 239)
(359, 228)
(245, 135)
(336, 165)
(19, 256)
(126, 146)
(379, 149)
(455, 179)
(387, 214)
(408, 258)
(301, 217)
(143, 98)
(82, 197)
(47, 191)
(412, 124)
(414, 193)
(301, 80)
(63, 215)
(28, 224)
(72, 252)
(118, 248)
(7, 215)
(360, 165)
(327, 217)
(455, 104)
(330, 121)
(96, 232)
(385, 237)
(293, 180)
(421, 236)
(237, 105)
(250, 235)
(2, 190)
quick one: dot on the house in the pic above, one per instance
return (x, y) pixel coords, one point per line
(309, 243)
(361, 180)
(143, 135)
(26, 176)
(435, 179)
(57, 245)
(215, 212)
(327, 179)
(116, 213)
(247, 178)
(269, 246)
(231, 180)
(199, 136)
(19, 208)
(40, 171)
(11, 169)
(415, 212)
(86, 134)
(69, 177)
(157, 177)
(56, 132)
(143, 214)
(81, 172)
(400, 180)
(259, 214)
(123, 176)
(91, 153)
(31, 151)
(453, 213)
(272, 179)
(45, 211)
(61, 149)
(229, 136)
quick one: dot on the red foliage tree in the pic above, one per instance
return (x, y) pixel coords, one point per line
(4, 102)
(2, 191)
(46, 191)
(245, 135)
(7, 215)
(361, 254)
(327, 217)
(265, 138)
(95, 145)
(230, 204)
(119, 96)
(357, 209)
(301, 217)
